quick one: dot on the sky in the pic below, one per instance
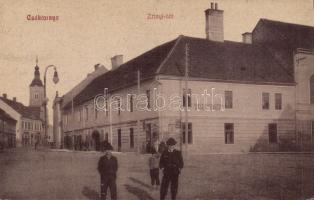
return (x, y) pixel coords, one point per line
(91, 32)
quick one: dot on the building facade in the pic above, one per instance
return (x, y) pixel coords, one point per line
(7, 130)
(212, 95)
(60, 102)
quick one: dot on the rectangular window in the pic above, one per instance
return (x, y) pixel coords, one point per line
(86, 113)
(107, 137)
(229, 133)
(278, 101)
(228, 99)
(131, 103)
(131, 138)
(65, 119)
(187, 93)
(119, 106)
(107, 110)
(272, 133)
(81, 117)
(96, 113)
(119, 140)
(265, 100)
(148, 98)
(190, 133)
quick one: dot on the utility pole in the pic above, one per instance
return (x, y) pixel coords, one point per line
(72, 110)
(138, 121)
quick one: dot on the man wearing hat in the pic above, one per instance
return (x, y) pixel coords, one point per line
(107, 168)
(171, 162)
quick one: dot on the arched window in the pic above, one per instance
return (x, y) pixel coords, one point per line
(312, 89)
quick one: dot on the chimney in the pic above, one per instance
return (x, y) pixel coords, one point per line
(5, 95)
(96, 66)
(214, 28)
(116, 61)
(14, 99)
(247, 38)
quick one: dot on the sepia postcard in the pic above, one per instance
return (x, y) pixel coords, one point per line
(157, 100)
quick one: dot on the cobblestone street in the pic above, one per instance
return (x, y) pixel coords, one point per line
(47, 174)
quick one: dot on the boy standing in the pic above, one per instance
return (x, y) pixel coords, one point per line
(154, 168)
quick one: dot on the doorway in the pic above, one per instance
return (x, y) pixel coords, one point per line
(96, 140)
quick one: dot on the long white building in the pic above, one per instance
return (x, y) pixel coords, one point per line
(212, 95)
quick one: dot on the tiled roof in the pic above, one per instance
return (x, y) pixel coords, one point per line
(281, 39)
(218, 61)
(225, 61)
(67, 98)
(288, 34)
(25, 111)
(126, 74)
(5, 116)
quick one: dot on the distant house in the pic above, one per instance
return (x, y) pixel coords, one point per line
(28, 124)
(211, 95)
(7, 130)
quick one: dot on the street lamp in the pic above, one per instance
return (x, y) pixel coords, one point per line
(55, 80)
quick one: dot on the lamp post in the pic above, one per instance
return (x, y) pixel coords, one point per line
(55, 80)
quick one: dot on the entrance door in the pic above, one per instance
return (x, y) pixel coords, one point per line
(96, 140)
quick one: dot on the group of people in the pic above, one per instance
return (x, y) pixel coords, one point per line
(170, 162)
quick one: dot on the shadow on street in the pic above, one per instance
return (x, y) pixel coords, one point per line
(90, 193)
(139, 182)
(139, 193)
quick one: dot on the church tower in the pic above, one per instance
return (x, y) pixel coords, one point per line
(36, 89)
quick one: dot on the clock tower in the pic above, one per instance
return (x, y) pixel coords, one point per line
(36, 89)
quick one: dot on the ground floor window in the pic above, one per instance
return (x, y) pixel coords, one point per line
(189, 133)
(272, 133)
(131, 138)
(229, 133)
(107, 137)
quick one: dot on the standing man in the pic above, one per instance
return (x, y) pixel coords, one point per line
(171, 162)
(107, 168)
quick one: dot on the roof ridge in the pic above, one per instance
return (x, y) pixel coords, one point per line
(169, 53)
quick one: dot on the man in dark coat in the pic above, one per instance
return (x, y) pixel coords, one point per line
(171, 162)
(107, 168)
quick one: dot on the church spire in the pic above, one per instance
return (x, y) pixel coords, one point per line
(36, 80)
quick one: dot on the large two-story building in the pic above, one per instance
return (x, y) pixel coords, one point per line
(212, 95)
